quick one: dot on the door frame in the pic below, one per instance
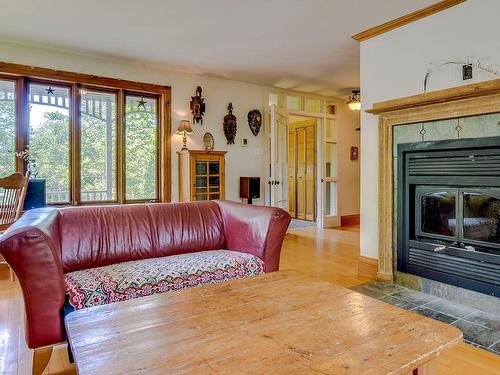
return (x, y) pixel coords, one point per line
(320, 172)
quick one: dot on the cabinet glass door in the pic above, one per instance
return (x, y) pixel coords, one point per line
(207, 181)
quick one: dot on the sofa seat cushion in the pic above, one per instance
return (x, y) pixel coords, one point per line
(128, 280)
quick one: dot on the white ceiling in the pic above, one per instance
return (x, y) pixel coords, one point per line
(303, 45)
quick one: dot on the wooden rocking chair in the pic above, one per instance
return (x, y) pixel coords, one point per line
(12, 193)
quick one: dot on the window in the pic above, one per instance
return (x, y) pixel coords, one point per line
(91, 143)
(293, 102)
(49, 139)
(98, 146)
(312, 105)
(7, 127)
(330, 179)
(141, 148)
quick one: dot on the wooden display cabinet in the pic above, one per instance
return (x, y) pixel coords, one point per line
(201, 175)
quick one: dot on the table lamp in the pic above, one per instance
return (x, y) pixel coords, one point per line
(185, 129)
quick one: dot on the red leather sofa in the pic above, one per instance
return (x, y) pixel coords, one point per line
(69, 258)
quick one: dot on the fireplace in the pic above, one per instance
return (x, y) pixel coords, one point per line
(448, 212)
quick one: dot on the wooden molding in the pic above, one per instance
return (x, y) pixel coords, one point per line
(437, 97)
(88, 79)
(471, 100)
(349, 220)
(405, 20)
(367, 267)
(203, 152)
(384, 277)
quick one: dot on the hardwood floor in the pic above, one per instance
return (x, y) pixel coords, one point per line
(328, 254)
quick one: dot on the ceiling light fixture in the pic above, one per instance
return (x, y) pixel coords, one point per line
(354, 101)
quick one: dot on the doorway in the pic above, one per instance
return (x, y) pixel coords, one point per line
(322, 187)
(301, 154)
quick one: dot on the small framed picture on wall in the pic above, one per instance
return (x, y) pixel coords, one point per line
(354, 153)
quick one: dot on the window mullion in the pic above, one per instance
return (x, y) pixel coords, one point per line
(21, 121)
(120, 147)
(75, 136)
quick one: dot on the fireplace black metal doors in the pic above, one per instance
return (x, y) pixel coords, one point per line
(448, 212)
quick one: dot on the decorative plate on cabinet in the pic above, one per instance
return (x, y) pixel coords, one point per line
(208, 141)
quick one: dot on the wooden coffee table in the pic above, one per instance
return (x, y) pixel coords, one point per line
(278, 323)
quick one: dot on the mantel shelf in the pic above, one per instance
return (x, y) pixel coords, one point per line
(474, 90)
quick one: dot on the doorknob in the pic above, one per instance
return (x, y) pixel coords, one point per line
(277, 182)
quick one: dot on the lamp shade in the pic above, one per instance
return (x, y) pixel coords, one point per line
(355, 106)
(184, 126)
(354, 102)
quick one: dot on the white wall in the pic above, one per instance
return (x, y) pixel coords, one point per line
(240, 161)
(394, 65)
(349, 171)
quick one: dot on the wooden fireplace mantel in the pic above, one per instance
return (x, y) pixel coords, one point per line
(470, 100)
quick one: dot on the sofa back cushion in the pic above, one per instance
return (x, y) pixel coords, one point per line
(186, 227)
(99, 236)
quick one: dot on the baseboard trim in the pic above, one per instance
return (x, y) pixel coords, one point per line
(349, 220)
(367, 267)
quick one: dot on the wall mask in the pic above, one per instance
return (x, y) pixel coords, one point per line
(197, 106)
(255, 121)
(230, 125)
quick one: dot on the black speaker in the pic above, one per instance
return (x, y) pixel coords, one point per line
(250, 188)
(35, 194)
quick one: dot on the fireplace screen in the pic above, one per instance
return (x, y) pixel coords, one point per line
(438, 213)
(473, 219)
(481, 216)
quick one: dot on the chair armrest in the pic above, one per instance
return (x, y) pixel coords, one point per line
(257, 230)
(32, 248)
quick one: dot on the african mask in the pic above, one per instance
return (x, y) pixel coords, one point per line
(255, 121)
(230, 125)
(197, 105)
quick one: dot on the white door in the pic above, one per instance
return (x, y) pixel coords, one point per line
(278, 143)
(329, 173)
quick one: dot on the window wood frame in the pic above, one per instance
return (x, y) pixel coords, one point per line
(71, 147)
(78, 165)
(19, 136)
(157, 197)
(23, 75)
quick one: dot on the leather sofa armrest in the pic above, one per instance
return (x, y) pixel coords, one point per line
(257, 230)
(32, 248)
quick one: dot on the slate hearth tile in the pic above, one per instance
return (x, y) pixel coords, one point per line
(370, 292)
(450, 308)
(414, 297)
(399, 302)
(386, 287)
(377, 289)
(484, 319)
(476, 333)
(421, 310)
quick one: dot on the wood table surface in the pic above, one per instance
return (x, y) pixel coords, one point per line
(278, 323)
